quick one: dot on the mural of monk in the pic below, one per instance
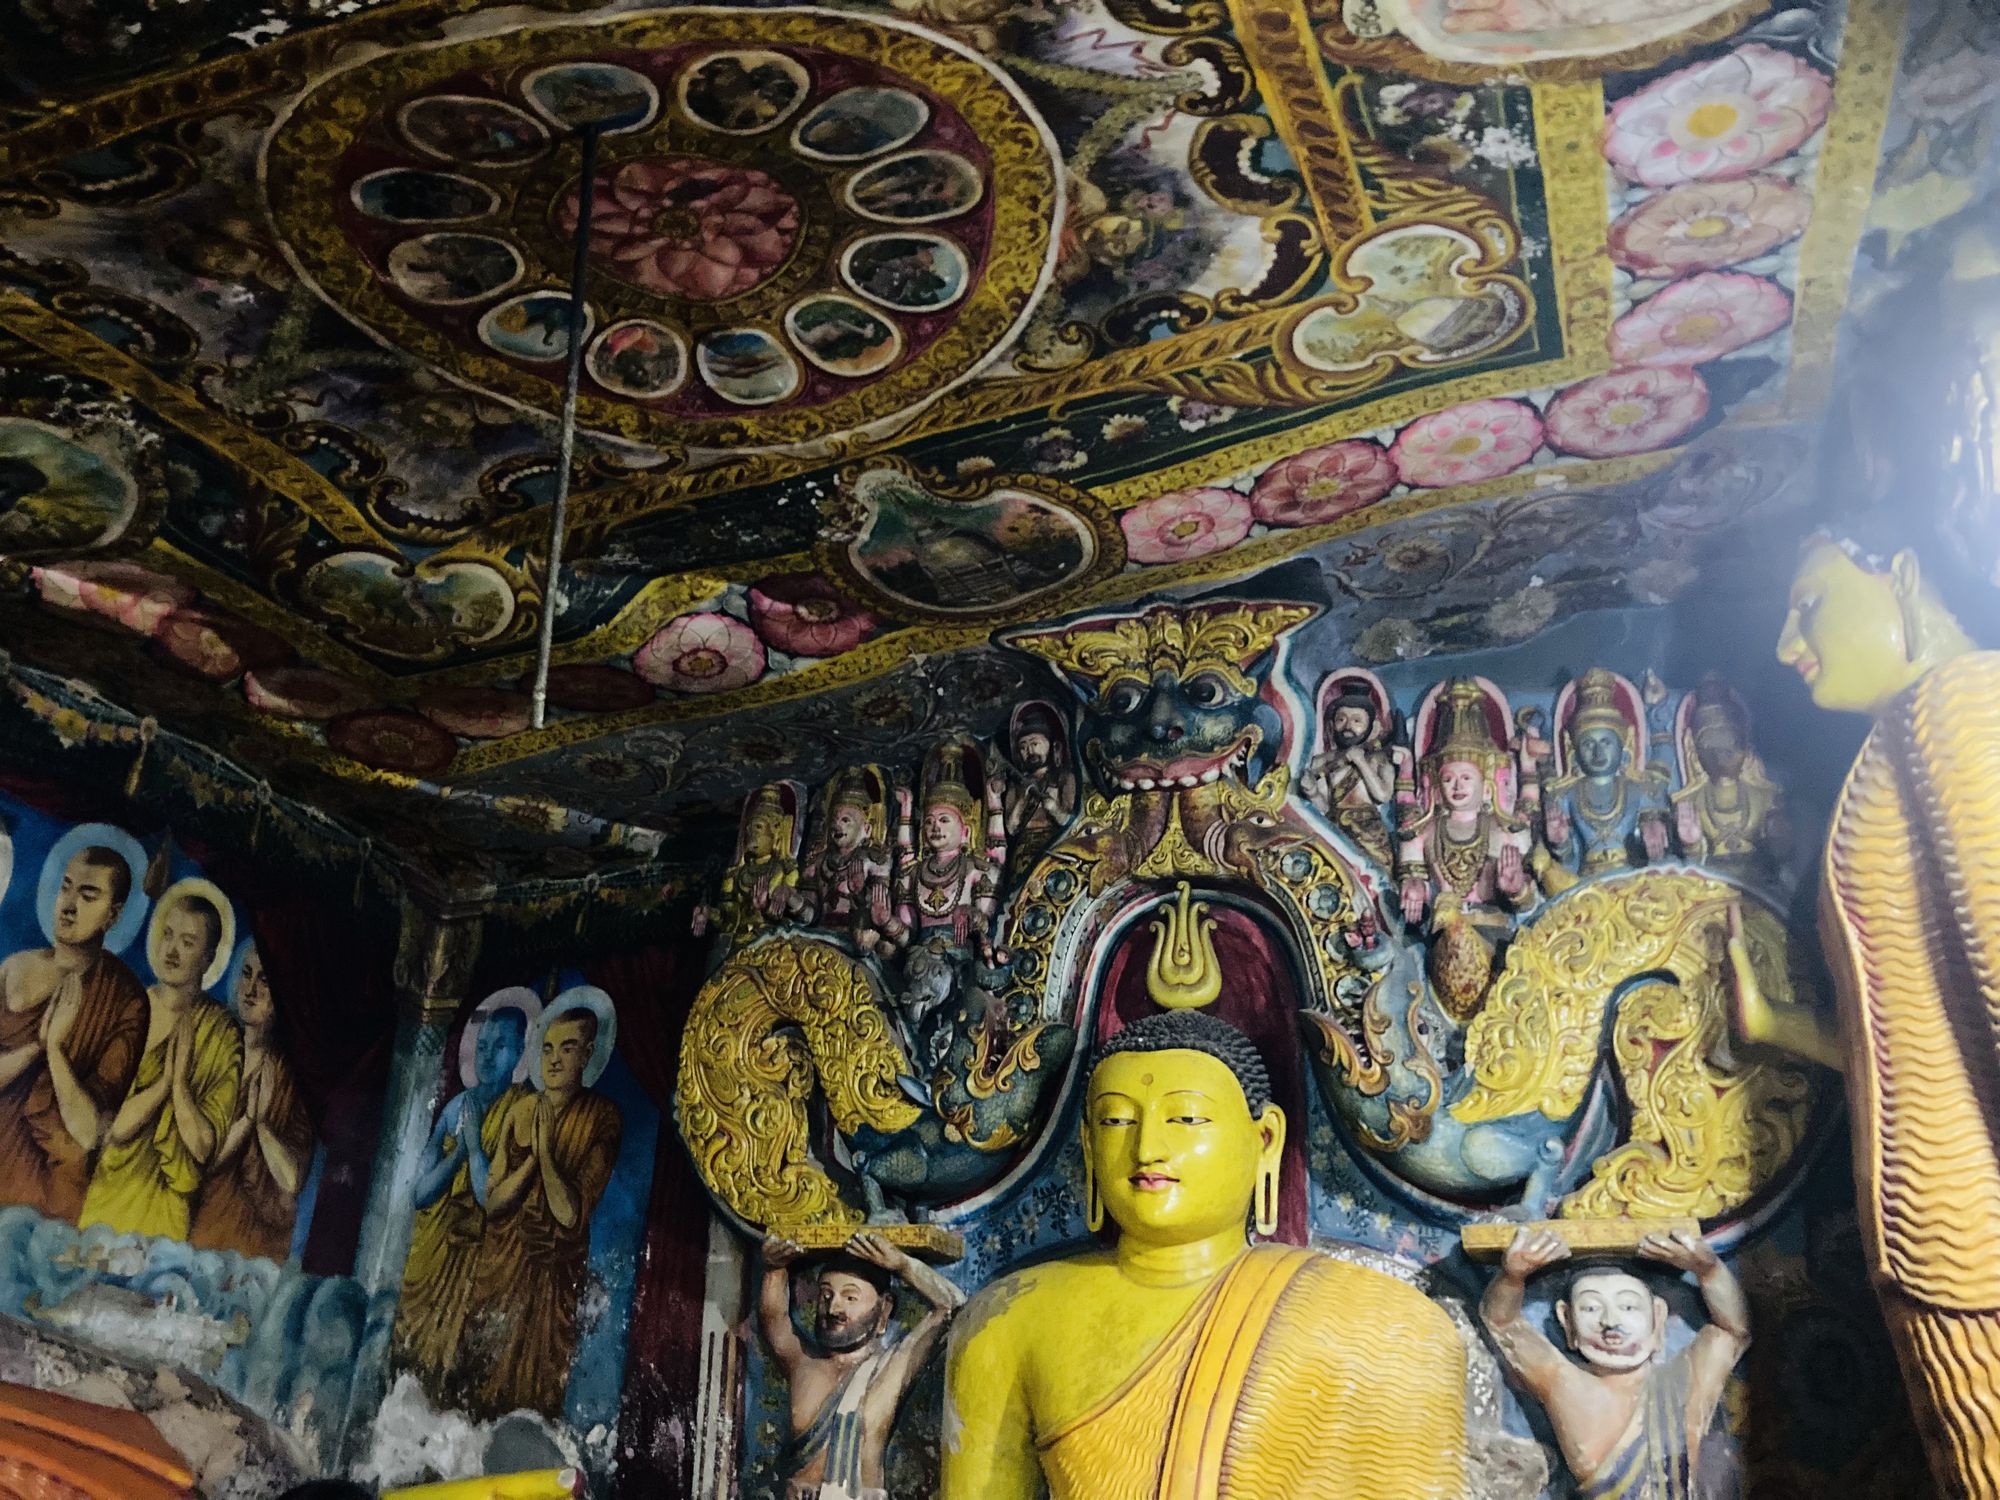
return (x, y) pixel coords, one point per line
(556, 1153)
(72, 1021)
(452, 1193)
(165, 1135)
(251, 1195)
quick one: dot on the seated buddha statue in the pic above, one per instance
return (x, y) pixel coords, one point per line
(1185, 1363)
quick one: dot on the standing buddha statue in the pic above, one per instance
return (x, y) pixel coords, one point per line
(1910, 913)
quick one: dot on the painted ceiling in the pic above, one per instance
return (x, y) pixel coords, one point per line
(906, 322)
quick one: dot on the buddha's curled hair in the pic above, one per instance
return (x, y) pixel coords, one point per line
(1197, 1031)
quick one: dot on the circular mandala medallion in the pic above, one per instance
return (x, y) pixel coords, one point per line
(752, 280)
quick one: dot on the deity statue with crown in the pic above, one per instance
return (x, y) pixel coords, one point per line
(947, 892)
(1463, 857)
(1729, 814)
(760, 889)
(1606, 808)
(845, 885)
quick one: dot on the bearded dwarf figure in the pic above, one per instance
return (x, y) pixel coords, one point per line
(1353, 781)
(1040, 796)
(1185, 1363)
(1630, 1422)
(844, 1397)
(1910, 916)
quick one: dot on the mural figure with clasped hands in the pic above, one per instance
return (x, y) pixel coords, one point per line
(1630, 1420)
(72, 1026)
(164, 1138)
(1910, 913)
(1185, 1363)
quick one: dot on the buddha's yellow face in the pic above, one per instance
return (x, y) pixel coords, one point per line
(1847, 632)
(1173, 1146)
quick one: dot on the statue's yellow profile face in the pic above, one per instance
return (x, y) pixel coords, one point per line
(1847, 632)
(1173, 1147)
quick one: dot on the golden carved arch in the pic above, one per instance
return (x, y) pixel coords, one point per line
(777, 1017)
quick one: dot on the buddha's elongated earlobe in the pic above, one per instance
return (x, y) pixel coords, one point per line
(1093, 1204)
(1267, 1200)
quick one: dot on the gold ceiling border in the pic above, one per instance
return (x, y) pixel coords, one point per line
(258, 458)
(887, 652)
(1278, 44)
(1398, 54)
(1843, 190)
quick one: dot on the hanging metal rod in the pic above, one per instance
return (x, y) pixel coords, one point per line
(566, 444)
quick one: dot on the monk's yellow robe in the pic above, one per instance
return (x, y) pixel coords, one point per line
(147, 1185)
(1295, 1377)
(444, 1251)
(1910, 916)
(531, 1267)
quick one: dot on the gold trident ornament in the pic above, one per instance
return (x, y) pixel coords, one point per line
(1183, 973)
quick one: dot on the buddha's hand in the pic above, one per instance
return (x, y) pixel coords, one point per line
(1687, 823)
(1749, 1010)
(1681, 1250)
(779, 1252)
(1511, 874)
(1533, 1250)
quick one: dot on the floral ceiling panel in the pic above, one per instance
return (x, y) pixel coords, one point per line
(902, 323)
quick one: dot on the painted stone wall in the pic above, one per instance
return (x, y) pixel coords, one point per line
(193, 1054)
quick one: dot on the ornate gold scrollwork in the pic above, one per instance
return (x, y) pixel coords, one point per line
(746, 1075)
(1707, 1130)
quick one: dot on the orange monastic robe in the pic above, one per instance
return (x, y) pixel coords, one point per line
(1296, 1375)
(242, 1207)
(41, 1163)
(522, 1334)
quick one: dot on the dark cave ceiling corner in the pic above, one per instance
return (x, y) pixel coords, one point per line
(907, 322)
